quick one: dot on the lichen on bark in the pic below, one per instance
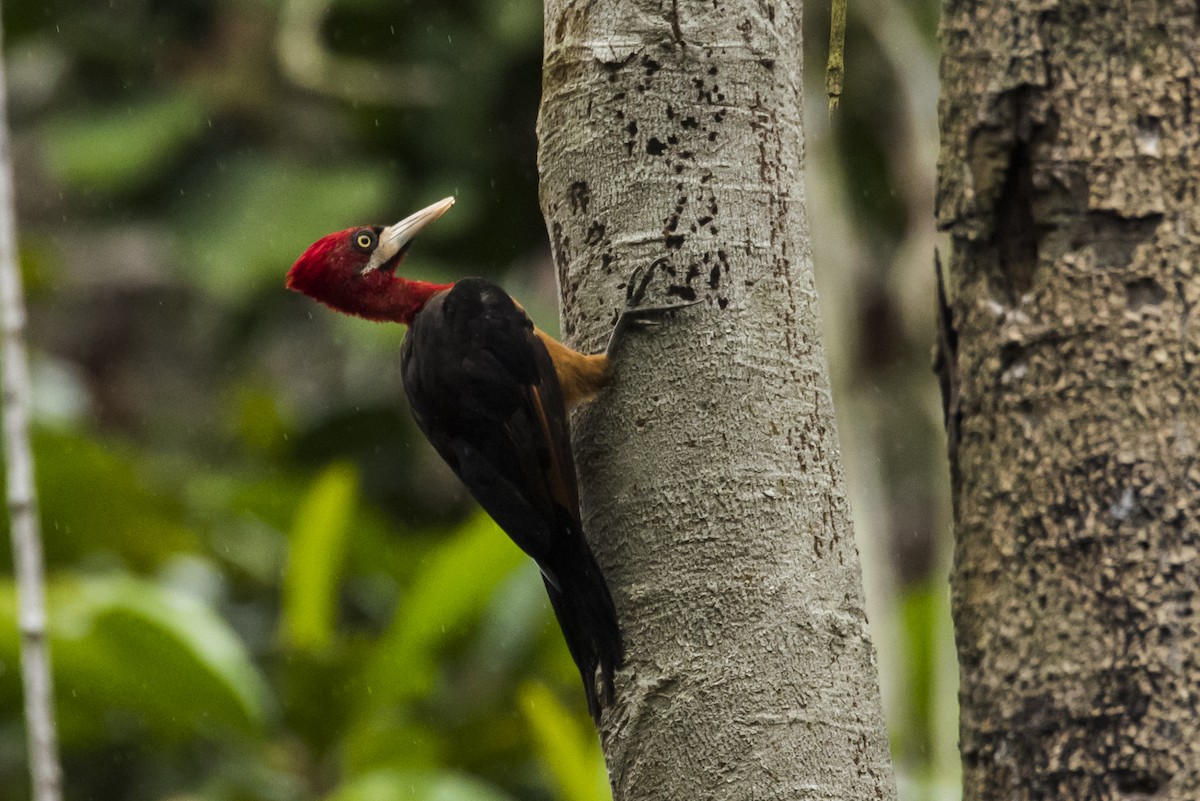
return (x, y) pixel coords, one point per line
(1068, 182)
(711, 488)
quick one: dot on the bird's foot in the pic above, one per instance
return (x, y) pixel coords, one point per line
(636, 314)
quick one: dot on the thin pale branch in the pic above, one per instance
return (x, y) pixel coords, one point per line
(44, 767)
(835, 68)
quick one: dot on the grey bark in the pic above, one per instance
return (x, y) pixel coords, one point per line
(41, 737)
(1070, 185)
(711, 485)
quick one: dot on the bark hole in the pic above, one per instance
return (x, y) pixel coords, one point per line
(1114, 237)
(1143, 292)
(1010, 354)
(1138, 784)
(595, 233)
(579, 195)
(1015, 232)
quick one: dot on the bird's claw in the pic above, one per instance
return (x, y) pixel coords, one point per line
(635, 291)
(635, 285)
(634, 313)
(646, 315)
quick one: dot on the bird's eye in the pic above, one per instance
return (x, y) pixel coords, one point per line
(365, 240)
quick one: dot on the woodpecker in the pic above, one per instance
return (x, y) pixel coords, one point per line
(492, 394)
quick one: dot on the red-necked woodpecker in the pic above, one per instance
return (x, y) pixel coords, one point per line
(492, 393)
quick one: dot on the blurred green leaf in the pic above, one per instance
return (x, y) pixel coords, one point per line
(98, 500)
(118, 148)
(259, 421)
(318, 544)
(572, 756)
(452, 589)
(391, 738)
(920, 608)
(126, 645)
(924, 739)
(397, 785)
(259, 214)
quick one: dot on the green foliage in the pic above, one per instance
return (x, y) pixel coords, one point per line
(78, 478)
(569, 752)
(394, 785)
(452, 590)
(131, 646)
(381, 696)
(255, 211)
(314, 568)
(923, 741)
(119, 148)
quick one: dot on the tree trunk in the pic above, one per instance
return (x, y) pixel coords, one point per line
(711, 484)
(1068, 181)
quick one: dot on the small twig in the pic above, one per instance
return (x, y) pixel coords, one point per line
(835, 67)
(44, 768)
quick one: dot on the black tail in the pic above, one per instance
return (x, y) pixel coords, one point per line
(585, 613)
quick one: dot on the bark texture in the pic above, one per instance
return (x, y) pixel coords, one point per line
(1068, 181)
(710, 478)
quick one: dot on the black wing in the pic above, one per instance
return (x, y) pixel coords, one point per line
(484, 391)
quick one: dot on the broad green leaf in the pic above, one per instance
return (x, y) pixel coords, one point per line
(98, 501)
(571, 755)
(318, 544)
(452, 589)
(399, 785)
(128, 647)
(117, 148)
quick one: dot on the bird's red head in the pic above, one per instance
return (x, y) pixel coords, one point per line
(354, 271)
